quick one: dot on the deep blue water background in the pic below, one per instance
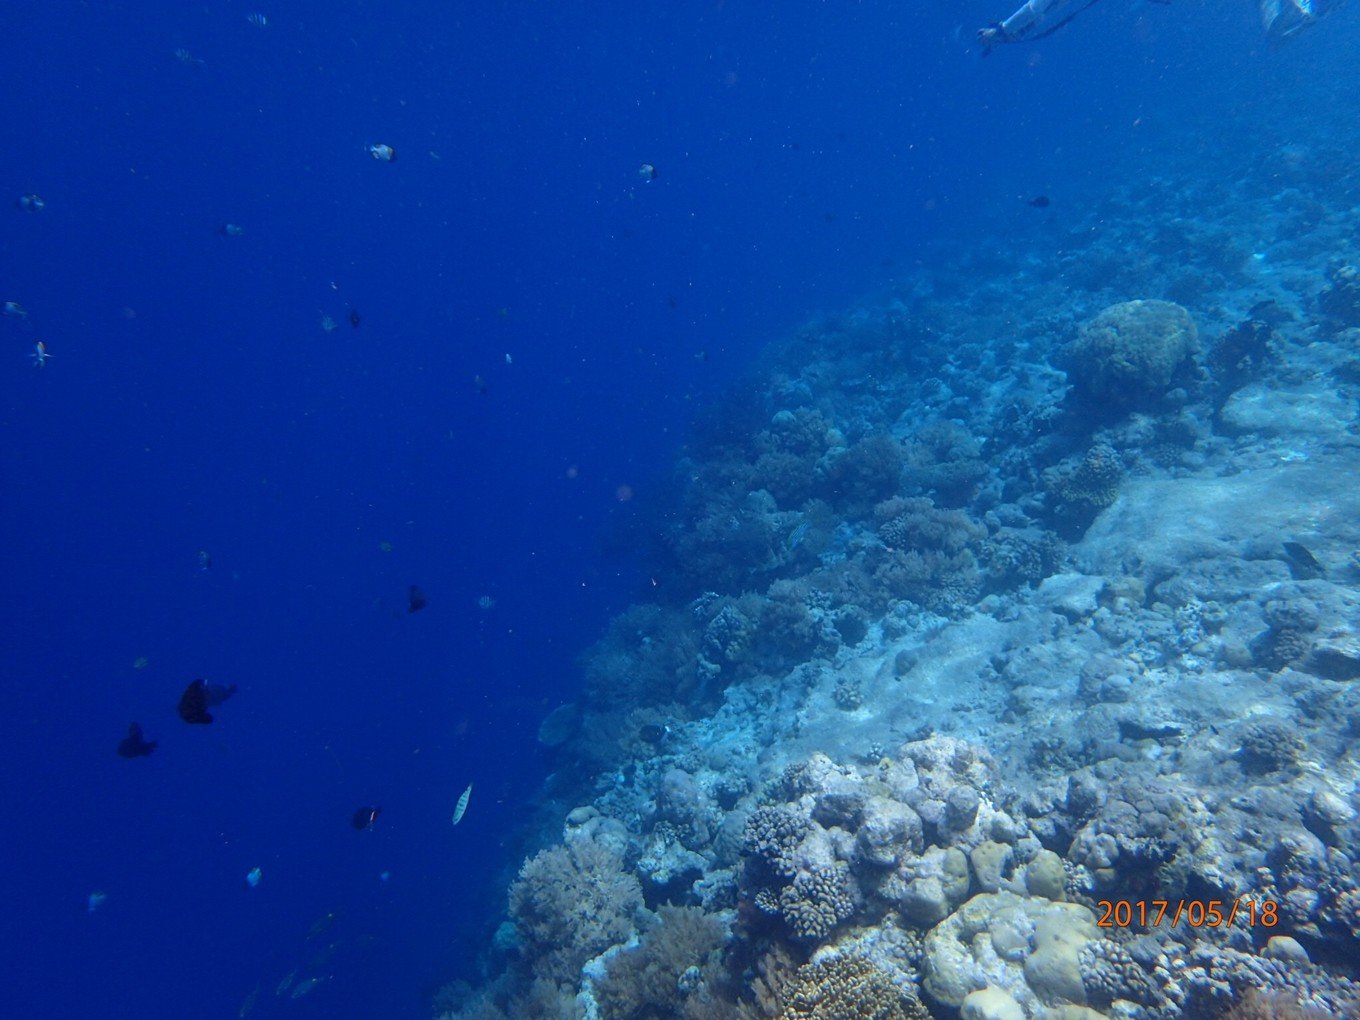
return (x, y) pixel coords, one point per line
(193, 402)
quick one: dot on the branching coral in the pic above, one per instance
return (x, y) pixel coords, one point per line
(848, 986)
(929, 553)
(1090, 482)
(869, 471)
(571, 902)
(772, 834)
(944, 459)
(817, 900)
(669, 974)
(647, 657)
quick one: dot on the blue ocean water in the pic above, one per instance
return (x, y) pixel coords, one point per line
(537, 324)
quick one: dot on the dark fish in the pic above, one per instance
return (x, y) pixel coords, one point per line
(1270, 311)
(365, 817)
(1138, 729)
(355, 318)
(1302, 563)
(193, 704)
(415, 599)
(1040, 202)
(652, 733)
(133, 746)
(218, 693)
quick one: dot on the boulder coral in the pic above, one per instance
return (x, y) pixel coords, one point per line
(1029, 947)
(1128, 354)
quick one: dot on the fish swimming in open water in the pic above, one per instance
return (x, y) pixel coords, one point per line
(193, 704)
(462, 805)
(133, 746)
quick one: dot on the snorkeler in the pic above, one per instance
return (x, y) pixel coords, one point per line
(1035, 19)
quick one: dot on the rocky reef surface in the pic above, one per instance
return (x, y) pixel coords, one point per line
(1005, 661)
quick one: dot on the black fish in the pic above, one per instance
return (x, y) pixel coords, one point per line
(1270, 311)
(415, 599)
(365, 817)
(1302, 563)
(355, 318)
(133, 746)
(193, 704)
(1040, 202)
(652, 733)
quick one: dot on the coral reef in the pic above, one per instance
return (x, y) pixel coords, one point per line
(981, 608)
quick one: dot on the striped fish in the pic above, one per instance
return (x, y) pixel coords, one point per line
(462, 805)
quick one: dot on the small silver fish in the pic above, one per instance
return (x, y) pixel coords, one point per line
(15, 310)
(185, 57)
(248, 1005)
(382, 153)
(258, 20)
(462, 805)
(304, 986)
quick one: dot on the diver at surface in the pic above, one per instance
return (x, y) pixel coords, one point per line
(1036, 19)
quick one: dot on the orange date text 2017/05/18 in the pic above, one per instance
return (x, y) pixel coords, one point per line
(1195, 913)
